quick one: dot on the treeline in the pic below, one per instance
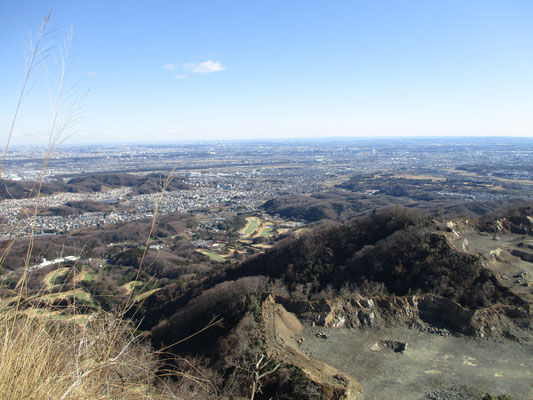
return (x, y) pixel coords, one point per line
(500, 170)
(313, 208)
(93, 242)
(76, 208)
(142, 184)
(338, 205)
(395, 247)
(421, 189)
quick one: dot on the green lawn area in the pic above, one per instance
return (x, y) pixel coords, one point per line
(212, 255)
(86, 274)
(253, 223)
(266, 232)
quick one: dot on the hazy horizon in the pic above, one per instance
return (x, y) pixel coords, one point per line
(363, 140)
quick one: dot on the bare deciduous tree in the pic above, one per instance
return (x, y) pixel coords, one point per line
(258, 371)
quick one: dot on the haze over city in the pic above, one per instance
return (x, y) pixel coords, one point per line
(204, 70)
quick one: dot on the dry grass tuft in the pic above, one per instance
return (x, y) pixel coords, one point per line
(41, 358)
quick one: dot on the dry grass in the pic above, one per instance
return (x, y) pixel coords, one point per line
(41, 358)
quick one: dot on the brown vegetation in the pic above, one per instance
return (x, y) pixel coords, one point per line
(145, 184)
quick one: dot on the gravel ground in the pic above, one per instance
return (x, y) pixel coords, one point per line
(433, 366)
(451, 393)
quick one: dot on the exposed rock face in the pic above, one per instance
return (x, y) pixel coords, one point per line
(502, 320)
(281, 327)
(412, 311)
(280, 330)
(521, 224)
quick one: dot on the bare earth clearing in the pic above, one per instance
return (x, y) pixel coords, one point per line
(430, 363)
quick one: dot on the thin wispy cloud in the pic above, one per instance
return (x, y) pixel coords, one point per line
(91, 73)
(206, 67)
(169, 67)
(180, 77)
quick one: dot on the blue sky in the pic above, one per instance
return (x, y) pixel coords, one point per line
(194, 70)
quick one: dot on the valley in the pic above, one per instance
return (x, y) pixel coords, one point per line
(359, 270)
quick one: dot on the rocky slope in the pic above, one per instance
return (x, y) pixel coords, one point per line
(390, 270)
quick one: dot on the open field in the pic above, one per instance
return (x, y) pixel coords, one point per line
(421, 177)
(256, 227)
(214, 255)
(338, 180)
(496, 178)
(262, 246)
(86, 274)
(265, 231)
(41, 313)
(251, 225)
(54, 315)
(430, 363)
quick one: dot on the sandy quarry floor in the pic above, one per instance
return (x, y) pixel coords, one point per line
(431, 362)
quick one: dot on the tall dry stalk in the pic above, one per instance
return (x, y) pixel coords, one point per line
(99, 357)
(37, 53)
(43, 358)
(65, 111)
